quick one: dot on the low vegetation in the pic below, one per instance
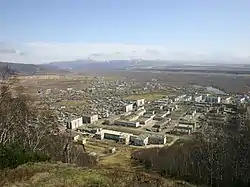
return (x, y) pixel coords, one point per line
(58, 174)
(218, 159)
(30, 134)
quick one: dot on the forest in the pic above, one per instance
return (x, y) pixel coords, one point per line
(29, 130)
(220, 157)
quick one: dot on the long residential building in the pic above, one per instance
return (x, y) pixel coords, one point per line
(127, 123)
(113, 135)
(211, 99)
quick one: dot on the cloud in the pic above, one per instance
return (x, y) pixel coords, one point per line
(42, 52)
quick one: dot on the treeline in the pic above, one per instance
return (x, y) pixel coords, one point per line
(29, 134)
(217, 159)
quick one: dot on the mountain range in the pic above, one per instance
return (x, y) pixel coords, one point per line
(131, 64)
(85, 65)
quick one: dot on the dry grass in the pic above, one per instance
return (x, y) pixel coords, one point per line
(45, 174)
(48, 174)
(121, 159)
(99, 147)
(94, 148)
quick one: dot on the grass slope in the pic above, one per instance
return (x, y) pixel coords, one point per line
(58, 174)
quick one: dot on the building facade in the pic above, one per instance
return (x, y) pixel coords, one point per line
(127, 123)
(128, 108)
(140, 102)
(90, 119)
(211, 99)
(157, 139)
(145, 121)
(73, 124)
(141, 140)
(120, 137)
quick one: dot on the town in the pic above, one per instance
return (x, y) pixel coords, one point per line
(122, 93)
(138, 114)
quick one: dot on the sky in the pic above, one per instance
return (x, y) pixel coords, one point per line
(35, 31)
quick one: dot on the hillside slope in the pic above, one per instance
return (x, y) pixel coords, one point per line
(31, 69)
(58, 174)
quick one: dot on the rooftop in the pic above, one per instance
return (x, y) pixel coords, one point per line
(143, 136)
(184, 126)
(89, 115)
(144, 118)
(118, 133)
(157, 136)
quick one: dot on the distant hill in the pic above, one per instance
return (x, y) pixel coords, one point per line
(85, 65)
(31, 69)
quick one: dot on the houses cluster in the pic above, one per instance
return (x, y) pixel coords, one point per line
(132, 116)
(135, 115)
(207, 99)
(138, 116)
(185, 127)
(183, 98)
(141, 114)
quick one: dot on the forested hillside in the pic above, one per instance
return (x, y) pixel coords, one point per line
(219, 157)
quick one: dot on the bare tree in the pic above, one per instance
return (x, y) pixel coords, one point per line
(6, 72)
(34, 128)
(19, 118)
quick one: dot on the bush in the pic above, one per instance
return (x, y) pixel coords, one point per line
(13, 155)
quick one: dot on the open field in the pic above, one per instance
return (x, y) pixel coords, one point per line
(227, 82)
(99, 147)
(121, 158)
(33, 83)
(238, 83)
